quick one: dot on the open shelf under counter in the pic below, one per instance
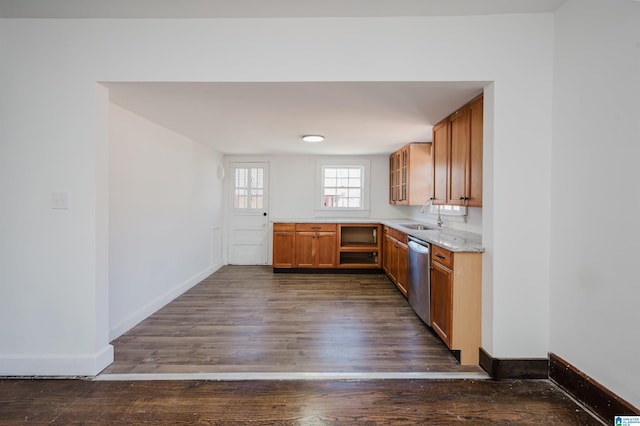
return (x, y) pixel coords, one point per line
(359, 245)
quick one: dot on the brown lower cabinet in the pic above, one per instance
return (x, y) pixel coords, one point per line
(442, 301)
(315, 245)
(327, 246)
(396, 258)
(456, 301)
(284, 240)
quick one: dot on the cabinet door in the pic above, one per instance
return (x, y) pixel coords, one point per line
(475, 163)
(325, 249)
(391, 257)
(283, 249)
(305, 249)
(442, 301)
(459, 158)
(392, 179)
(402, 274)
(387, 244)
(403, 190)
(439, 155)
(396, 174)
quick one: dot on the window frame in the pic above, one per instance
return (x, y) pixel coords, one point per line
(363, 165)
(249, 188)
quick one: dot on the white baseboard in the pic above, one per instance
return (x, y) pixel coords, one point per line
(153, 306)
(57, 365)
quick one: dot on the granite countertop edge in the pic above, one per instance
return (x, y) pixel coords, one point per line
(450, 239)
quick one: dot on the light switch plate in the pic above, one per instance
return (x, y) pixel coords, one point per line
(60, 200)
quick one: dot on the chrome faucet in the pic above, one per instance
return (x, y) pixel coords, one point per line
(440, 221)
(426, 203)
(430, 202)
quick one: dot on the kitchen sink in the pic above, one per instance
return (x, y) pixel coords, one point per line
(417, 226)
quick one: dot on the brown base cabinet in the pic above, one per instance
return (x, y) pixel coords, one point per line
(442, 301)
(456, 301)
(359, 246)
(396, 258)
(315, 245)
(284, 241)
(327, 246)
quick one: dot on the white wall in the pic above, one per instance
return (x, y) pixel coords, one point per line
(50, 264)
(165, 217)
(293, 181)
(594, 276)
(471, 222)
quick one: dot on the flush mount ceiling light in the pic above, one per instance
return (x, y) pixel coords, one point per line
(313, 138)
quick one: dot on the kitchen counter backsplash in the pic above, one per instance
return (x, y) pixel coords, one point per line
(450, 239)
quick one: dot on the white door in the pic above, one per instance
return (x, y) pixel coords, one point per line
(249, 218)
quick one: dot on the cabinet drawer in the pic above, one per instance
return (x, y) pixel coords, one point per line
(316, 227)
(442, 256)
(284, 227)
(398, 235)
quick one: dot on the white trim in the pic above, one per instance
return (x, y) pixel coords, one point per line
(153, 306)
(294, 376)
(68, 365)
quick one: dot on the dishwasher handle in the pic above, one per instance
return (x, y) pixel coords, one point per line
(418, 247)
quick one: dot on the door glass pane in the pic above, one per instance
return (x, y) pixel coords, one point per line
(249, 188)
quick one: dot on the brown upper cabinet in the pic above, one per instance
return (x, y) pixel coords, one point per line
(457, 157)
(410, 174)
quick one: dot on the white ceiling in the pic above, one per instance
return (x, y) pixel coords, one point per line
(270, 118)
(265, 8)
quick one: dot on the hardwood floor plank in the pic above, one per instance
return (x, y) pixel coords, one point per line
(288, 402)
(248, 319)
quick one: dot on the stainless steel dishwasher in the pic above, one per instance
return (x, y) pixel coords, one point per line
(420, 278)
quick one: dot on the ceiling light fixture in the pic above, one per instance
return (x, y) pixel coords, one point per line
(313, 138)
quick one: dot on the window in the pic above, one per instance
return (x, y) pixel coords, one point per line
(342, 187)
(249, 188)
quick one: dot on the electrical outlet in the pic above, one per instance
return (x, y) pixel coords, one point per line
(60, 200)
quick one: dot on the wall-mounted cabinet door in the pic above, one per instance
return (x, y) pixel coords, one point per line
(459, 157)
(476, 118)
(440, 159)
(410, 174)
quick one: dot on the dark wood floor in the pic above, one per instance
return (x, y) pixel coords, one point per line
(248, 319)
(400, 402)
